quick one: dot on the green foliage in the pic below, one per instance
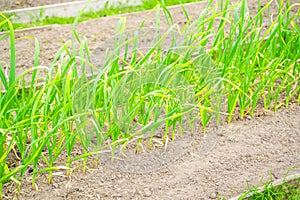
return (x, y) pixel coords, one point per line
(288, 189)
(135, 93)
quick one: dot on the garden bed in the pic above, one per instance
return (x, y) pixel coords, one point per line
(220, 163)
(19, 4)
(63, 10)
(243, 154)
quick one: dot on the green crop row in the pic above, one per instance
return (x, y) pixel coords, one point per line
(237, 63)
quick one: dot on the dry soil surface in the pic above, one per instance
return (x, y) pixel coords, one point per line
(17, 4)
(220, 163)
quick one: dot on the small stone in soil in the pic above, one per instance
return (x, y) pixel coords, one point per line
(116, 195)
(105, 194)
(230, 139)
(213, 195)
(30, 170)
(248, 155)
(147, 192)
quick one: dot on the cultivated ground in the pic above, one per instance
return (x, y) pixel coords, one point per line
(219, 163)
(17, 4)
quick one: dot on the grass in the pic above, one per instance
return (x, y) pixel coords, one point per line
(289, 189)
(109, 10)
(284, 191)
(238, 64)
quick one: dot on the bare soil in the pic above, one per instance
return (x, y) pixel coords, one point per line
(219, 163)
(18, 4)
